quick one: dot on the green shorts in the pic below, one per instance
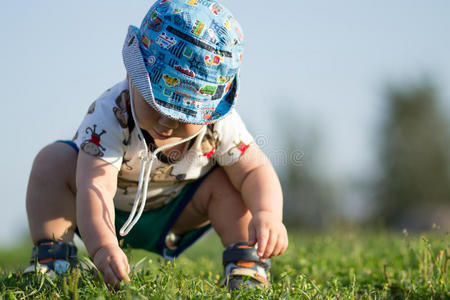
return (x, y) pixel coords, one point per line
(151, 230)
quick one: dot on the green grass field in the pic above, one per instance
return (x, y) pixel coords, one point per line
(345, 264)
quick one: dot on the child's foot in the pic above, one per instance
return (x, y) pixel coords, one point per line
(50, 257)
(243, 269)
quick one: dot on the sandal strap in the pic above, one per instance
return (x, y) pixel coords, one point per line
(250, 273)
(49, 249)
(242, 252)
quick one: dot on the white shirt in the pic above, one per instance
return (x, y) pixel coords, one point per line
(108, 132)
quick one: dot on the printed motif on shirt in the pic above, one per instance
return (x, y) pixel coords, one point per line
(92, 146)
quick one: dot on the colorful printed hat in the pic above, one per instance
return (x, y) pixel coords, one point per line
(185, 58)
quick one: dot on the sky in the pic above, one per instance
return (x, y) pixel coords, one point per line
(323, 64)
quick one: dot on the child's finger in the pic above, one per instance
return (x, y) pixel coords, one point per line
(281, 243)
(119, 270)
(279, 246)
(271, 243)
(263, 235)
(251, 235)
(109, 277)
(285, 244)
(127, 268)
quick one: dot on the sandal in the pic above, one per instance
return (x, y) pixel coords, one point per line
(243, 268)
(50, 257)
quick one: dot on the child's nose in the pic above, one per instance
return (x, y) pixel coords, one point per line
(168, 122)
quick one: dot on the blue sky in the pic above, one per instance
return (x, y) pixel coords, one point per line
(324, 62)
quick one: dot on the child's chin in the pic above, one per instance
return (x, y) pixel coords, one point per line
(160, 136)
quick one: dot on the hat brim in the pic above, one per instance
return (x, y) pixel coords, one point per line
(204, 112)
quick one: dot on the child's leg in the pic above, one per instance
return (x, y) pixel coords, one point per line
(50, 197)
(216, 200)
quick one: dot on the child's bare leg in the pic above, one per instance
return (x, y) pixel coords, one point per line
(50, 196)
(218, 201)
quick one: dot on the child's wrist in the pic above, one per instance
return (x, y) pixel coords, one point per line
(264, 212)
(97, 249)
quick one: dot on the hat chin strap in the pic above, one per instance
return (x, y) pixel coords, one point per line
(147, 159)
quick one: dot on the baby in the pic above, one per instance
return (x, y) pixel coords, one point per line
(161, 157)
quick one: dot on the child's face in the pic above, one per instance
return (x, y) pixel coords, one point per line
(163, 129)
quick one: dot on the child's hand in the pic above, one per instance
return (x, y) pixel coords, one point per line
(113, 264)
(269, 232)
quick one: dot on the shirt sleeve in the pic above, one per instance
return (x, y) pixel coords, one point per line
(233, 139)
(100, 133)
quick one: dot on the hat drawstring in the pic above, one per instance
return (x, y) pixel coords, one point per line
(147, 159)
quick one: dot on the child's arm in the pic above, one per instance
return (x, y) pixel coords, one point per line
(96, 187)
(254, 176)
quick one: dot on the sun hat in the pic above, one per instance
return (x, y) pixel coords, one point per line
(185, 58)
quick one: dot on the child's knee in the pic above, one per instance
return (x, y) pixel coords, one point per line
(57, 160)
(222, 189)
(219, 185)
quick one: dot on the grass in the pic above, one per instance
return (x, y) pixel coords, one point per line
(346, 264)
